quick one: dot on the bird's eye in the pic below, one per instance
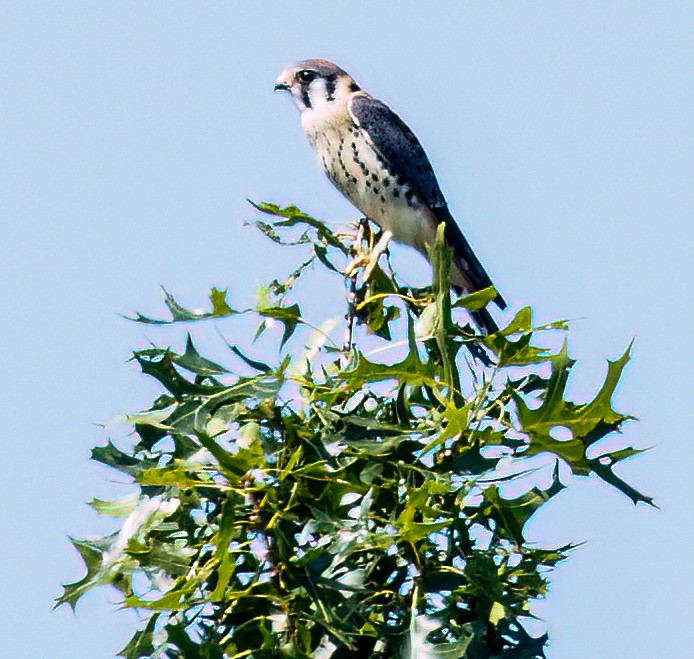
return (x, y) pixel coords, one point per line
(305, 75)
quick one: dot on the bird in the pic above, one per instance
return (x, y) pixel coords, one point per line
(375, 160)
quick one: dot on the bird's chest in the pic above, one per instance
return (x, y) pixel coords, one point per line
(365, 179)
(353, 167)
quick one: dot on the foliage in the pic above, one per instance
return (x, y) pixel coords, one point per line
(336, 505)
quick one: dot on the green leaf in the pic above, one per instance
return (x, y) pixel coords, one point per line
(174, 600)
(606, 472)
(513, 344)
(411, 370)
(102, 567)
(220, 306)
(112, 456)
(289, 316)
(160, 365)
(418, 503)
(142, 643)
(321, 253)
(457, 422)
(511, 515)
(250, 454)
(370, 303)
(170, 476)
(443, 327)
(116, 507)
(92, 554)
(270, 232)
(225, 559)
(253, 363)
(522, 322)
(194, 362)
(179, 314)
(294, 216)
(587, 423)
(478, 299)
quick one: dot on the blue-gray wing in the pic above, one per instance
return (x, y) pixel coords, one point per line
(396, 145)
(402, 154)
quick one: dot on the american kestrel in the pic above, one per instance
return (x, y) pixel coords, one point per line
(375, 160)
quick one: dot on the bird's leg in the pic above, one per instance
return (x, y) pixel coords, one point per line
(357, 249)
(364, 253)
(380, 247)
(367, 236)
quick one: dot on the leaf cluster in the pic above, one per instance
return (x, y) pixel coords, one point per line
(335, 504)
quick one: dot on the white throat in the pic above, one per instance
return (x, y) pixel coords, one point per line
(325, 109)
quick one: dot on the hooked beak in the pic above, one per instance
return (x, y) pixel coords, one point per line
(282, 87)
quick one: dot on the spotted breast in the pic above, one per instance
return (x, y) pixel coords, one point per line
(361, 174)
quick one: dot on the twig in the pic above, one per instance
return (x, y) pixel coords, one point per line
(271, 558)
(363, 233)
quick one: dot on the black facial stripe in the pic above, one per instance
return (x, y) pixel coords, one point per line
(306, 99)
(330, 85)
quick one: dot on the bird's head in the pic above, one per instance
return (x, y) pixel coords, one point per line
(316, 84)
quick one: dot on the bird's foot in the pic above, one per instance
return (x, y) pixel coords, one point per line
(375, 254)
(364, 253)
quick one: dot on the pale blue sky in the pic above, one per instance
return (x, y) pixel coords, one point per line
(131, 133)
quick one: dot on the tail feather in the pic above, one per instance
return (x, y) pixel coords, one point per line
(466, 261)
(468, 273)
(483, 319)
